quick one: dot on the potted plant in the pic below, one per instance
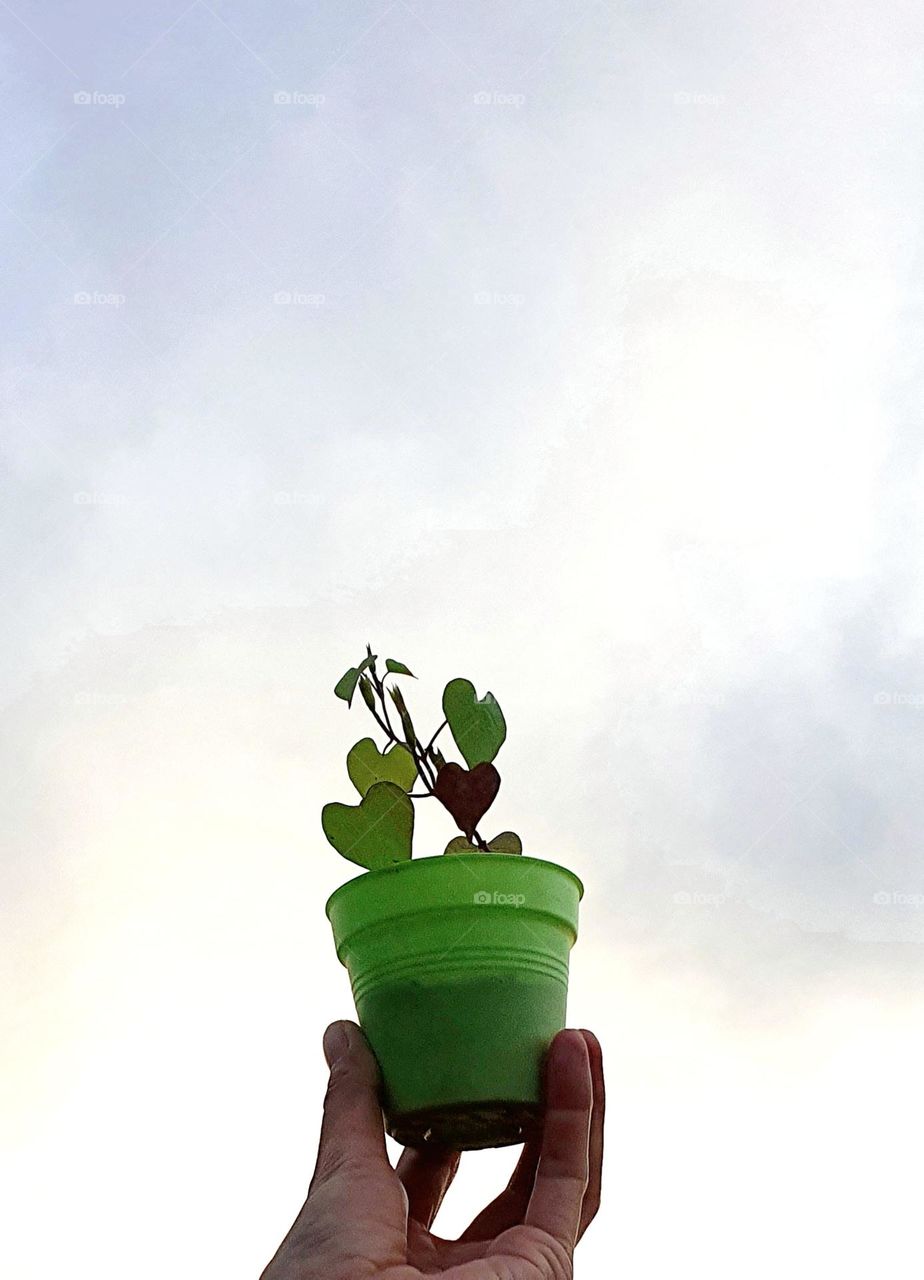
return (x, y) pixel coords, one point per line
(458, 962)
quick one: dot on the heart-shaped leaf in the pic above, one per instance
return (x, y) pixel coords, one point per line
(366, 766)
(346, 685)
(506, 842)
(477, 725)
(467, 795)
(377, 832)
(459, 844)
(398, 668)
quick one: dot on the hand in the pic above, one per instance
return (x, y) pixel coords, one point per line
(364, 1220)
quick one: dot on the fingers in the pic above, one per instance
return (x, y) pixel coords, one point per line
(507, 1209)
(562, 1174)
(352, 1128)
(595, 1144)
(426, 1176)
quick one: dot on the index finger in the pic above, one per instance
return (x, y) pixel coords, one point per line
(563, 1169)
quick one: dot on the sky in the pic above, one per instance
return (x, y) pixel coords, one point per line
(572, 349)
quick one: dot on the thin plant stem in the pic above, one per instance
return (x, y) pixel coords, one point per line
(425, 767)
(426, 775)
(436, 735)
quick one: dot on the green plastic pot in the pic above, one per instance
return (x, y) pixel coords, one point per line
(459, 971)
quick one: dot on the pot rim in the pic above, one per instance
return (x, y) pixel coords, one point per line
(475, 859)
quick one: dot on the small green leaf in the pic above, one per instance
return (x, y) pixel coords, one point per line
(367, 662)
(409, 735)
(398, 668)
(346, 685)
(459, 844)
(366, 766)
(365, 688)
(506, 842)
(377, 832)
(477, 725)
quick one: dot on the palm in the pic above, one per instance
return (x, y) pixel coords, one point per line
(367, 1221)
(522, 1253)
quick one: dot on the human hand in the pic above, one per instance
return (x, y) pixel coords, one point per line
(364, 1220)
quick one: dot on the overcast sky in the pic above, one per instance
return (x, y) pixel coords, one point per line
(571, 348)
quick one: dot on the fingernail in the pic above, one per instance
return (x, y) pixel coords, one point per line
(572, 1045)
(336, 1042)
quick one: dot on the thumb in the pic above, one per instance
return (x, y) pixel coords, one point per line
(352, 1127)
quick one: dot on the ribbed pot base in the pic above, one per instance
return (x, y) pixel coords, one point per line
(467, 1127)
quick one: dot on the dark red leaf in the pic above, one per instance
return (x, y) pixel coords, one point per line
(467, 794)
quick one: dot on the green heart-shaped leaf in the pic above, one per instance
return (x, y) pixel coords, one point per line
(506, 842)
(377, 832)
(398, 668)
(477, 725)
(459, 844)
(366, 766)
(346, 685)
